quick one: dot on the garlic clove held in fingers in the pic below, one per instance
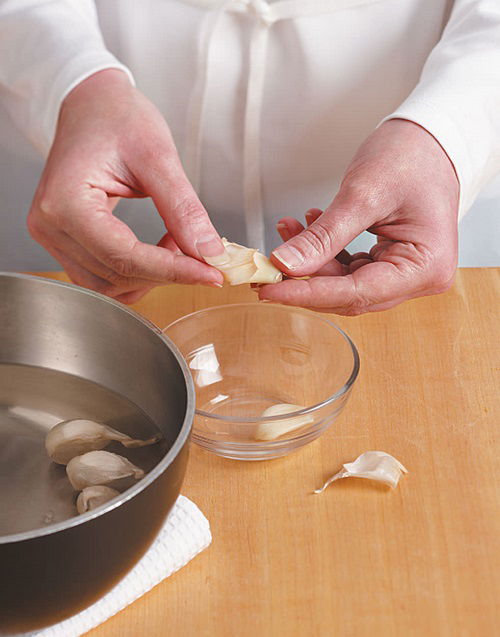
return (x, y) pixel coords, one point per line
(102, 468)
(74, 437)
(92, 497)
(276, 428)
(245, 265)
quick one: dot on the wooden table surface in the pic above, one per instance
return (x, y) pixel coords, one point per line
(360, 559)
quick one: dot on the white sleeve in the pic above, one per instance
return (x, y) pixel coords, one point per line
(457, 99)
(47, 47)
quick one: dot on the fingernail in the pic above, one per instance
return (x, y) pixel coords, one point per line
(213, 249)
(265, 300)
(289, 256)
(281, 226)
(215, 284)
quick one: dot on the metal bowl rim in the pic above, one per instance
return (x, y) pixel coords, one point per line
(164, 462)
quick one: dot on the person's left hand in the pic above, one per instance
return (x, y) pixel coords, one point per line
(402, 187)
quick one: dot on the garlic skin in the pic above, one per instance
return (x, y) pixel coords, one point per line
(372, 465)
(73, 438)
(97, 468)
(245, 265)
(205, 366)
(92, 497)
(276, 428)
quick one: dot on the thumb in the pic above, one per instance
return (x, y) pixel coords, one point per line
(320, 242)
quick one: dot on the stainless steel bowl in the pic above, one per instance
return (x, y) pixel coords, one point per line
(65, 353)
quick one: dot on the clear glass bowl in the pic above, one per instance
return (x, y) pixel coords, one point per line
(247, 357)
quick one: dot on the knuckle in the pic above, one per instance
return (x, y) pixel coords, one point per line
(355, 307)
(49, 213)
(115, 279)
(354, 311)
(442, 278)
(122, 266)
(442, 269)
(315, 240)
(366, 197)
(358, 302)
(121, 263)
(190, 211)
(175, 275)
(108, 289)
(33, 227)
(98, 285)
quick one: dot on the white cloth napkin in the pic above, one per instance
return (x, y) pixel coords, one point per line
(185, 533)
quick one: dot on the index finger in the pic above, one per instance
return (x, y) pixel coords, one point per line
(373, 287)
(114, 244)
(179, 206)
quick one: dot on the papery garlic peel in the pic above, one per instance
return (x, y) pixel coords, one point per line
(245, 265)
(73, 438)
(276, 428)
(372, 465)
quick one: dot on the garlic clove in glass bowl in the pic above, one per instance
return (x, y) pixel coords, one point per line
(276, 428)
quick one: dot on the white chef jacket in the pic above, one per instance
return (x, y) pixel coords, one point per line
(268, 101)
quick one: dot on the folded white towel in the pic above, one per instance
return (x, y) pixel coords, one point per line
(185, 533)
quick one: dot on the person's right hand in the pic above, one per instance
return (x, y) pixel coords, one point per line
(111, 142)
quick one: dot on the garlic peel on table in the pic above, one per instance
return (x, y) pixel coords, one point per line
(97, 468)
(372, 465)
(92, 497)
(73, 438)
(276, 428)
(245, 265)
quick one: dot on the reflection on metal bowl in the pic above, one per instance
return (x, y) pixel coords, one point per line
(69, 353)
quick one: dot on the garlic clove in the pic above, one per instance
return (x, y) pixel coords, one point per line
(240, 274)
(92, 497)
(75, 437)
(101, 468)
(276, 428)
(372, 465)
(245, 265)
(266, 272)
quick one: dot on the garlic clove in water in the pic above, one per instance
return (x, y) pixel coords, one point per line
(101, 468)
(245, 265)
(92, 497)
(373, 465)
(74, 437)
(276, 428)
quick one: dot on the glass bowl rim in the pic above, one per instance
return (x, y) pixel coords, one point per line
(292, 310)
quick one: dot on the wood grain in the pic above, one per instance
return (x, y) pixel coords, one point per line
(358, 560)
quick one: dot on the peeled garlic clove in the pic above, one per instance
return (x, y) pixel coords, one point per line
(276, 428)
(101, 468)
(74, 437)
(266, 272)
(92, 497)
(245, 265)
(372, 465)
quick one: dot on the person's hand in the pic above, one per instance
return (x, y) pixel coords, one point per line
(402, 187)
(111, 142)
